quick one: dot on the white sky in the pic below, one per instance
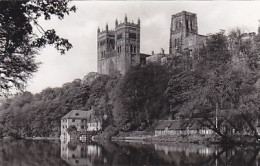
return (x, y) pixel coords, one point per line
(81, 30)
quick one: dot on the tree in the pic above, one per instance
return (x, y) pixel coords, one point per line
(142, 93)
(18, 42)
(223, 85)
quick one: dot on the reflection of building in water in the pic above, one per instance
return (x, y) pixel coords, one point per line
(79, 154)
(187, 154)
(198, 149)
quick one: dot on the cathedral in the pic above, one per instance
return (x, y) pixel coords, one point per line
(118, 49)
(184, 33)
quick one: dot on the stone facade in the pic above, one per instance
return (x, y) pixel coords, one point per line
(184, 33)
(84, 121)
(118, 49)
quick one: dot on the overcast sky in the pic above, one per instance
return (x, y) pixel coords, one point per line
(81, 30)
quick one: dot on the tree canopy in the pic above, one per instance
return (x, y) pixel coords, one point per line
(19, 43)
(222, 85)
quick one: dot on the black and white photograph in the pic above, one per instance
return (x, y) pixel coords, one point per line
(129, 83)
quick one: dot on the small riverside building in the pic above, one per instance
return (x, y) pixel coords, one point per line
(79, 122)
(180, 127)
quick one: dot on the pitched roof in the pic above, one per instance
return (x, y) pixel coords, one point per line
(179, 124)
(78, 114)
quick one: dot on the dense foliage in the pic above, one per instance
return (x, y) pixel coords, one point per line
(21, 36)
(220, 87)
(39, 115)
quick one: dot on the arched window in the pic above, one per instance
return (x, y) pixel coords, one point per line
(187, 24)
(131, 48)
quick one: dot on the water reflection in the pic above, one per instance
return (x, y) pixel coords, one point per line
(77, 153)
(50, 153)
(30, 153)
(141, 153)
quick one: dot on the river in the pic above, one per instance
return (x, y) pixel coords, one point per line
(56, 153)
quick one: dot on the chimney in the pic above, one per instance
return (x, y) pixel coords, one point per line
(152, 52)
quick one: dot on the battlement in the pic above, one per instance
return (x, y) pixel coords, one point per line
(102, 32)
(127, 24)
(183, 13)
(119, 25)
(118, 49)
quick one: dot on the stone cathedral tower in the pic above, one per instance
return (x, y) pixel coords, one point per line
(118, 49)
(183, 24)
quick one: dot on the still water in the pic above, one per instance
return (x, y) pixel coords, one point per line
(51, 153)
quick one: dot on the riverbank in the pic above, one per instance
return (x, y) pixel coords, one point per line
(243, 140)
(42, 138)
(198, 139)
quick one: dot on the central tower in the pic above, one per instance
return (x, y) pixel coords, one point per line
(119, 49)
(183, 24)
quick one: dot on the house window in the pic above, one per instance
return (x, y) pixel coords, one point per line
(82, 120)
(73, 120)
(82, 127)
(77, 114)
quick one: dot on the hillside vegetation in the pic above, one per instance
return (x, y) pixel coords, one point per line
(222, 77)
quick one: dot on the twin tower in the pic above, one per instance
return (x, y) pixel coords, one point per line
(118, 49)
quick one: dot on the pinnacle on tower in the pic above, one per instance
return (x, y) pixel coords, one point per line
(98, 30)
(138, 22)
(116, 22)
(125, 18)
(106, 27)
